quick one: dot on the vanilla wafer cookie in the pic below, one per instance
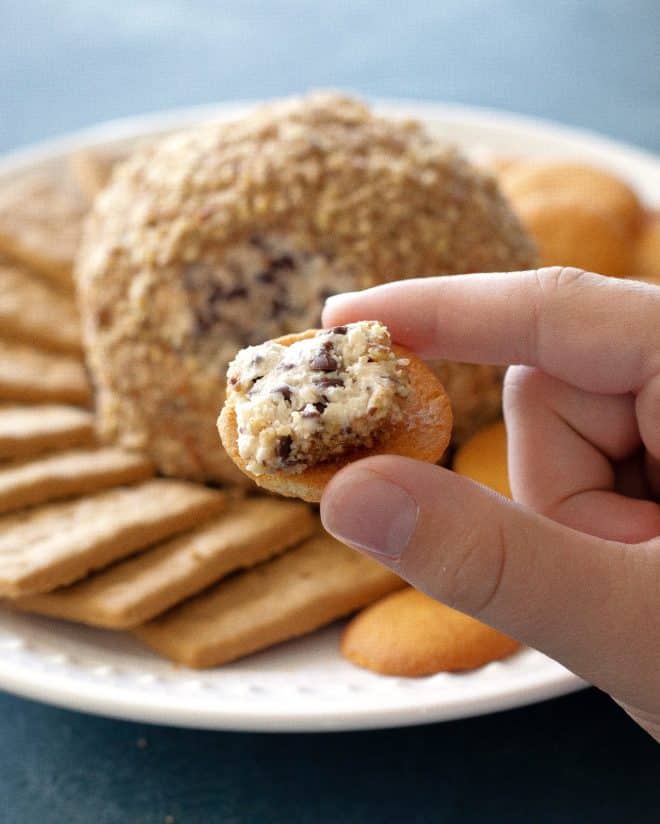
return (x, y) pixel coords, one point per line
(40, 222)
(65, 474)
(137, 590)
(409, 634)
(54, 545)
(35, 375)
(33, 311)
(26, 431)
(300, 591)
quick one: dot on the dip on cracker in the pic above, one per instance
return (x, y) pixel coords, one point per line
(300, 407)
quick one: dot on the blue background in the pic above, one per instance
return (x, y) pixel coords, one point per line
(70, 63)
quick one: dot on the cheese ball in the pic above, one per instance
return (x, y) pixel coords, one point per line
(228, 234)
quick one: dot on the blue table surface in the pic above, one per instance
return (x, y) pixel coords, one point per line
(592, 63)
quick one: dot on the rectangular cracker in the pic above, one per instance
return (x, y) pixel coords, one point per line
(31, 310)
(66, 474)
(300, 591)
(26, 431)
(54, 545)
(137, 590)
(34, 375)
(41, 217)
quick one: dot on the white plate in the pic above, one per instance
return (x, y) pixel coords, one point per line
(302, 685)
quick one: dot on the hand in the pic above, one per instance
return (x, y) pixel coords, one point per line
(573, 568)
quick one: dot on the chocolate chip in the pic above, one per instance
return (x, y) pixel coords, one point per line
(284, 447)
(284, 367)
(315, 412)
(339, 330)
(324, 362)
(258, 242)
(325, 383)
(216, 294)
(283, 262)
(279, 306)
(284, 391)
(267, 276)
(237, 292)
(104, 317)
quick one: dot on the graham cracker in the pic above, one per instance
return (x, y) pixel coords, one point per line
(26, 431)
(51, 546)
(31, 310)
(300, 591)
(34, 375)
(137, 590)
(40, 222)
(65, 474)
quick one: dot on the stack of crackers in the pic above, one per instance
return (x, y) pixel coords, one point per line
(88, 534)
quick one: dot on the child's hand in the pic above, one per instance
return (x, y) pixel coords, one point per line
(580, 580)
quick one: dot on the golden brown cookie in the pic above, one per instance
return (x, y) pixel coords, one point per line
(304, 589)
(26, 431)
(32, 311)
(137, 590)
(54, 545)
(579, 215)
(230, 234)
(40, 222)
(646, 264)
(423, 433)
(483, 458)
(409, 634)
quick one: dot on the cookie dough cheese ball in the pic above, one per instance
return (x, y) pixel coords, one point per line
(233, 233)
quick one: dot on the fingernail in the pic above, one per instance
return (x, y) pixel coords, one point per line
(371, 513)
(334, 300)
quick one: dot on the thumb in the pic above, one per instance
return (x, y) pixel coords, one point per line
(578, 598)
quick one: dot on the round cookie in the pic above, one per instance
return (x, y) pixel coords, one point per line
(409, 634)
(229, 234)
(423, 432)
(579, 215)
(483, 458)
(647, 253)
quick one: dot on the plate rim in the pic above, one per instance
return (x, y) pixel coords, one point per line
(97, 699)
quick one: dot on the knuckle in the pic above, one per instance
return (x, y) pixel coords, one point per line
(524, 386)
(553, 279)
(474, 579)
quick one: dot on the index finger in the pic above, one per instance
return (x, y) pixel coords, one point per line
(598, 333)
